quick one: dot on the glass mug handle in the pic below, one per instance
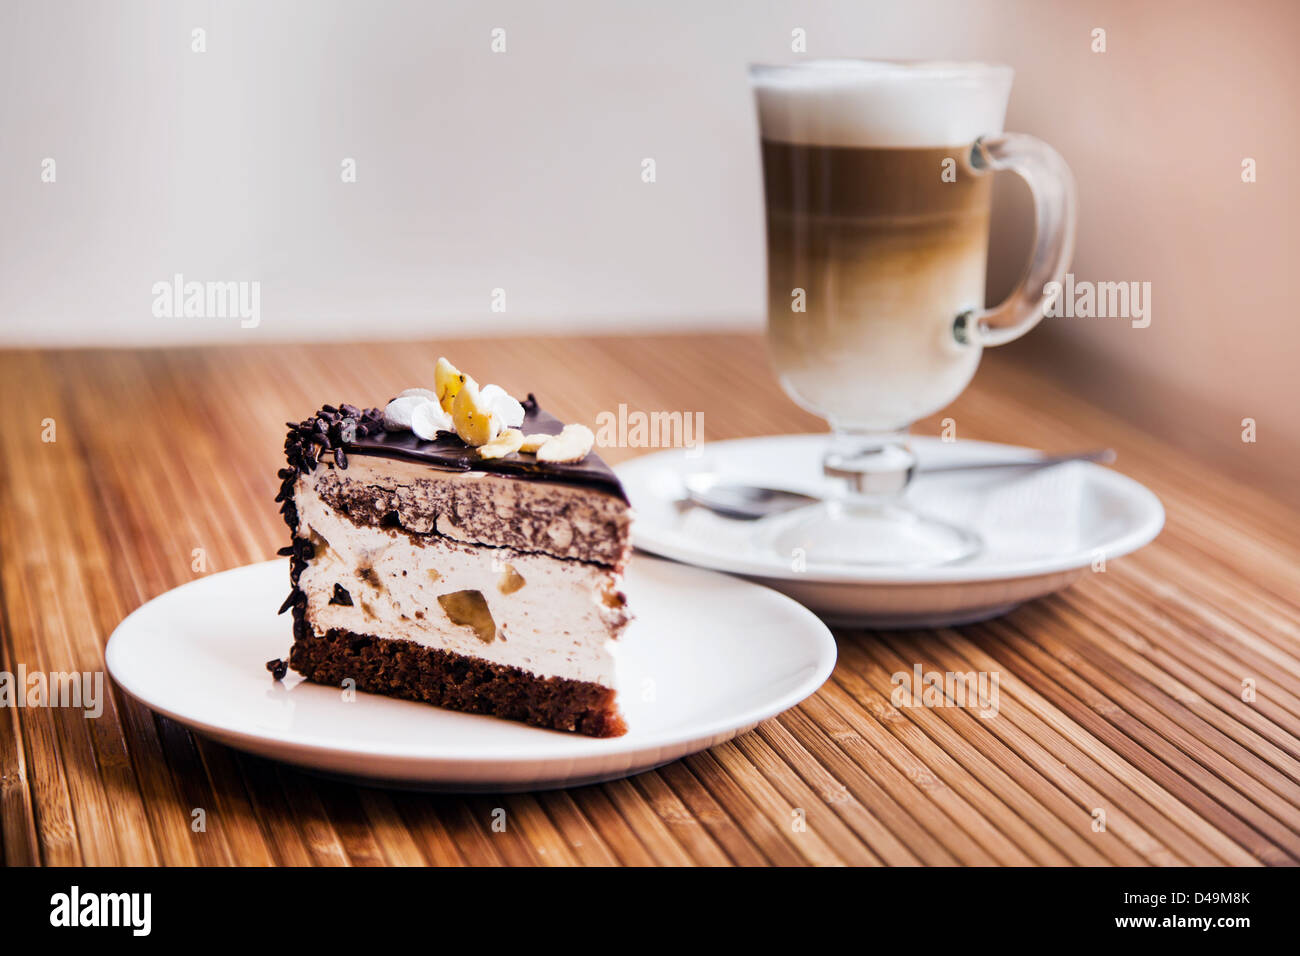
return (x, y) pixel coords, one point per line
(1052, 185)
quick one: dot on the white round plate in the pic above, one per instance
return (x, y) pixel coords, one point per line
(1040, 529)
(707, 658)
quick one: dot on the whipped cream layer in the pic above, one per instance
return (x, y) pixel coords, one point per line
(551, 617)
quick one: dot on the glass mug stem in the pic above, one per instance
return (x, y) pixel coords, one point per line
(871, 469)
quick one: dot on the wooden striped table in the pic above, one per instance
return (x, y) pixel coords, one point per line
(1123, 695)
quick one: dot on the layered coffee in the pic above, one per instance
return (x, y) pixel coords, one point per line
(877, 238)
(887, 254)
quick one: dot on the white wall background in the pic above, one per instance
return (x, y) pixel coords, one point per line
(475, 170)
(522, 170)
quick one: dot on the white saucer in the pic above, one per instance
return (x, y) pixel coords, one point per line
(1041, 529)
(707, 658)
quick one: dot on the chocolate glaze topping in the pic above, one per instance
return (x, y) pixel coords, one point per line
(448, 451)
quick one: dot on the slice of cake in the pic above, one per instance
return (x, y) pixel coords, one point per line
(461, 548)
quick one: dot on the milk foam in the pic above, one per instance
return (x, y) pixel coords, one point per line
(868, 103)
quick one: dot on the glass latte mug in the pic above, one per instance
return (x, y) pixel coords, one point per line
(877, 180)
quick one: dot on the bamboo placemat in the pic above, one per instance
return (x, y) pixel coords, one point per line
(1121, 696)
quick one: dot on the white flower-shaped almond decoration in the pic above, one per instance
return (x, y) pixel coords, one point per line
(397, 415)
(428, 393)
(414, 411)
(428, 419)
(480, 415)
(503, 407)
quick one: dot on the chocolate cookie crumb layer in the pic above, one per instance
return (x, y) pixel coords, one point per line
(562, 520)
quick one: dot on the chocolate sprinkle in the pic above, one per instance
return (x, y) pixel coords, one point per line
(327, 431)
(278, 668)
(330, 429)
(341, 596)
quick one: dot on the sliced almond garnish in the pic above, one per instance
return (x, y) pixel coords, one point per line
(534, 442)
(507, 443)
(571, 445)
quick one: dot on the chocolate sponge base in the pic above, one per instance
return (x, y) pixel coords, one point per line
(404, 669)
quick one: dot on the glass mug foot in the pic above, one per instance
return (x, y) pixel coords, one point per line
(869, 523)
(892, 535)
